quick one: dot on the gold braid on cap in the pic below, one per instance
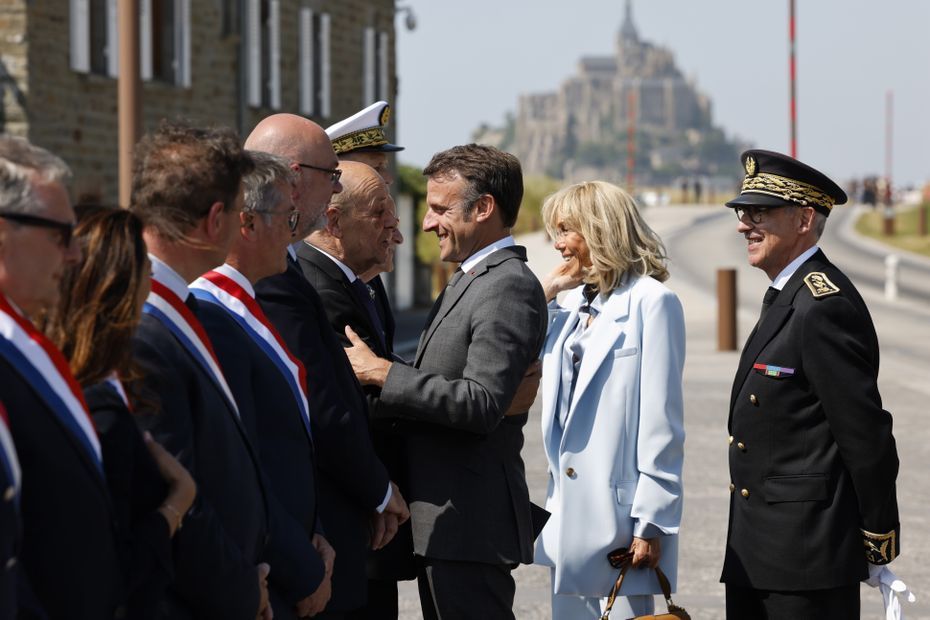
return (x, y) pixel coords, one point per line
(786, 189)
(373, 136)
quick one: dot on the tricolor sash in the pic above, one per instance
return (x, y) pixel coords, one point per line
(45, 369)
(8, 459)
(217, 288)
(165, 306)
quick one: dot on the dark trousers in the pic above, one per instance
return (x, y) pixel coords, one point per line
(382, 602)
(833, 604)
(465, 590)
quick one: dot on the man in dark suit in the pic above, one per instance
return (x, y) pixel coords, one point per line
(354, 487)
(812, 458)
(262, 373)
(359, 237)
(470, 508)
(187, 188)
(67, 551)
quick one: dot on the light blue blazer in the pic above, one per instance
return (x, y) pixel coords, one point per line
(615, 468)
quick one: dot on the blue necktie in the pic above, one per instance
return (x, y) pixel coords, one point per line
(365, 295)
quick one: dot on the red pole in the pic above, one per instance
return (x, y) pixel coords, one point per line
(630, 139)
(793, 75)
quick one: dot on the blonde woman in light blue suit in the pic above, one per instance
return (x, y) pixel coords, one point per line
(611, 405)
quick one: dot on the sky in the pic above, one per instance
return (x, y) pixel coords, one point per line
(467, 62)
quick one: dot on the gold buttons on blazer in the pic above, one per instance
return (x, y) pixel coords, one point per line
(741, 446)
(745, 493)
(732, 487)
(753, 399)
(8, 493)
(570, 472)
(731, 439)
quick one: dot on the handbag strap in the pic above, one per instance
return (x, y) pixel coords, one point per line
(663, 583)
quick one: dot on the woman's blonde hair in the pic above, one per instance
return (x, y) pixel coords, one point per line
(618, 238)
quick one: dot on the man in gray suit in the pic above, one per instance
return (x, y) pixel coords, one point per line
(469, 505)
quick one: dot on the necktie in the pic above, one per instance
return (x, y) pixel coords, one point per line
(365, 295)
(191, 302)
(770, 294)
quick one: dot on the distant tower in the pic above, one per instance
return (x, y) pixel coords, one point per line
(628, 31)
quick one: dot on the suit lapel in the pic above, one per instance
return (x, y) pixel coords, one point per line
(608, 327)
(451, 296)
(767, 329)
(552, 370)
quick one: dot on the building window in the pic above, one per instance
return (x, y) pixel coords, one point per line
(374, 66)
(164, 39)
(314, 63)
(264, 52)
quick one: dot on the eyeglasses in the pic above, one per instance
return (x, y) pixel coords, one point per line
(293, 217)
(334, 173)
(65, 230)
(755, 214)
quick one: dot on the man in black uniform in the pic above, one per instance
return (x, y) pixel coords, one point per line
(812, 458)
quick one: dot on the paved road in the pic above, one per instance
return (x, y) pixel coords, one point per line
(700, 240)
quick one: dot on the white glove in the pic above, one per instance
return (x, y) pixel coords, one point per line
(890, 586)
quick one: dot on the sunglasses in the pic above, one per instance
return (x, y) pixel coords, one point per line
(619, 557)
(65, 230)
(334, 173)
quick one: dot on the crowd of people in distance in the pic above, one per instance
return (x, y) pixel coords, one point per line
(202, 414)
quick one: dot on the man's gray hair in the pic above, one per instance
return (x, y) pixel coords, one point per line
(262, 192)
(21, 165)
(819, 223)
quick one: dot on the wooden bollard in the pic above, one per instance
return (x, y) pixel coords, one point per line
(726, 309)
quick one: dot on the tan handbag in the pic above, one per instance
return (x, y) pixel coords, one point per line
(621, 558)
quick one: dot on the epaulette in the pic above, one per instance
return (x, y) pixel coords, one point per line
(820, 284)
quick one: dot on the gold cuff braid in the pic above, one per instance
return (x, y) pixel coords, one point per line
(787, 189)
(880, 548)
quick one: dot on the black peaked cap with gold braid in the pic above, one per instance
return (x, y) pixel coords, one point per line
(776, 180)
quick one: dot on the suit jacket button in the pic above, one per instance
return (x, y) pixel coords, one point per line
(741, 446)
(570, 472)
(11, 563)
(732, 487)
(745, 493)
(753, 399)
(731, 439)
(9, 493)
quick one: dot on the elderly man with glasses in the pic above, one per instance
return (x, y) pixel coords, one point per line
(354, 487)
(812, 458)
(56, 494)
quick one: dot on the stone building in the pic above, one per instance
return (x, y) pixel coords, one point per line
(582, 131)
(227, 62)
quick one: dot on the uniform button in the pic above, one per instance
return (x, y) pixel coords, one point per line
(744, 493)
(8, 493)
(732, 487)
(731, 439)
(741, 446)
(11, 563)
(753, 399)
(570, 472)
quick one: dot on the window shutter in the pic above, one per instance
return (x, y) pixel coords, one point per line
(305, 45)
(368, 66)
(80, 35)
(145, 39)
(383, 57)
(324, 64)
(182, 42)
(274, 41)
(112, 40)
(254, 51)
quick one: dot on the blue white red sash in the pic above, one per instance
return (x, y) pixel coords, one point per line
(43, 366)
(8, 459)
(164, 305)
(218, 288)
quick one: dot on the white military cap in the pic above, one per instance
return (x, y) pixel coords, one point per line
(363, 131)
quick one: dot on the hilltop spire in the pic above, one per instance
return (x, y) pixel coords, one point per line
(628, 29)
